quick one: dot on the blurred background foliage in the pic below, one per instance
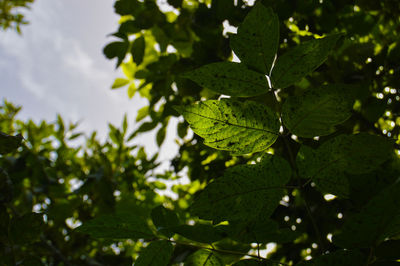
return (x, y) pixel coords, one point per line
(69, 178)
(11, 13)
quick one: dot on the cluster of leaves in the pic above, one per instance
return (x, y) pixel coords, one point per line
(52, 179)
(10, 14)
(301, 154)
(309, 135)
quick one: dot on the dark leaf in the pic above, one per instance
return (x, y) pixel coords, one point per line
(9, 143)
(164, 219)
(118, 226)
(27, 228)
(202, 233)
(257, 39)
(137, 50)
(329, 165)
(116, 49)
(229, 78)
(301, 60)
(378, 220)
(260, 186)
(157, 253)
(317, 111)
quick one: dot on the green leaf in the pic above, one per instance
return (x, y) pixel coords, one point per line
(260, 230)
(257, 39)
(9, 143)
(116, 49)
(340, 257)
(244, 191)
(202, 233)
(301, 60)
(160, 137)
(6, 188)
(118, 226)
(230, 79)
(378, 220)
(329, 165)
(137, 50)
(27, 228)
(203, 258)
(317, 111)
(157, 253)
(119, 82)
(239, 127)
(131, 90)
(142, 113)
(388, 250)
(164, 219)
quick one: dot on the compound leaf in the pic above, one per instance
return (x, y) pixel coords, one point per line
(118, 226)
(257, 39)
(157, 253)
(239, 127)
(244, 191)
(230, 79)
(318, 111)
(301, 60)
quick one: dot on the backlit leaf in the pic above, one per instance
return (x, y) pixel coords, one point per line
(257, 39)
(131, 90)
(119, 82)
(239, 127)
(260, 230)
(318, 111)
(260, 186)
(203, 258)
(301, 60)
(157, 253)
(118, 226)
(230, 79)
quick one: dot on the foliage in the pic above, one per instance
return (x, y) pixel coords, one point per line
(302, 153)
(10, 13)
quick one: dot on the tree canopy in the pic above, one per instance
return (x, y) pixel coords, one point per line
(295, 144)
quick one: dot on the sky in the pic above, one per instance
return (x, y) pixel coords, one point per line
(57, 67)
